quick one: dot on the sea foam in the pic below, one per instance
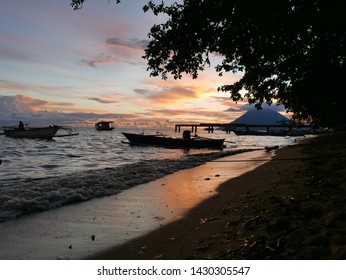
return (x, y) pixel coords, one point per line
(48, 193)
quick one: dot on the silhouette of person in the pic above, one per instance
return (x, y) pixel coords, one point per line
(21, 125)
(187, 135)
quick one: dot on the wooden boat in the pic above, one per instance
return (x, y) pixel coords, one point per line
(31, 132)
(48, 132)
(104, 125)
(161, 140)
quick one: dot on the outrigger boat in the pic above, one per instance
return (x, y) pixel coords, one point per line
(186, 142)
(48, 132)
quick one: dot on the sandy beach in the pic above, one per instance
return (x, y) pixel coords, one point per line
(80, 230)
(244, 206)
(292, 207)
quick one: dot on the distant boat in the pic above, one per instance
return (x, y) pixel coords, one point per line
(31, 132)
(161, 140)
(105, 125)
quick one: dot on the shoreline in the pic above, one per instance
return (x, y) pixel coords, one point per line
(34, 195)
(291, 207)
(79, 230)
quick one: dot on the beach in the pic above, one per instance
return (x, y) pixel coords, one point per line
(292, 207)
(80, 230)
(282, 204)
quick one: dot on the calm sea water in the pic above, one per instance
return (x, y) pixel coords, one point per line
(38, 175)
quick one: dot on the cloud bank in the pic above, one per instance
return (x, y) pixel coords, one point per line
(38, 112)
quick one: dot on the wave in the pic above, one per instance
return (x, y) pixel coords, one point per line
(35, 195)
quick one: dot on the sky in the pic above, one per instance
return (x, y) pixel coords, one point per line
(66, 67)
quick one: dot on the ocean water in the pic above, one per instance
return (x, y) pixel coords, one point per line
(38, 175)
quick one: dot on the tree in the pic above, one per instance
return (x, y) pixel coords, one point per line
(78, 4)
(291, 51)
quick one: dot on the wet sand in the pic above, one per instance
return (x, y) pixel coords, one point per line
(292, 207)
(82, 230)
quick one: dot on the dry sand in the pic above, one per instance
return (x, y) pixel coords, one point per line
(292, 207)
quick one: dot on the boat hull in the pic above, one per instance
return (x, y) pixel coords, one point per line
(169, 142)
(39, 132)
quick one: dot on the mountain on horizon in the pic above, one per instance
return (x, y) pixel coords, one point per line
(258, 117)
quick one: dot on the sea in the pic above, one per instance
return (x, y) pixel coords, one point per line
(38, 175)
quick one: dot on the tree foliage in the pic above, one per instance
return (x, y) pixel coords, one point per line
(290, 51)
(78, 4)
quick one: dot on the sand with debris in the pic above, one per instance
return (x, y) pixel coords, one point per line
(292, 207)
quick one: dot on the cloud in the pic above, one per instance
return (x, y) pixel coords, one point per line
(12, 54)
(168, 95)
(101, 59)
(100, 100)
(21, 103)
(132, 43)
(7, 85)
(233, 110)
(113, 53)
(19, 87)
(274, 107)
(15, 104)
(31, 102)
(196, 115)
(39, 112)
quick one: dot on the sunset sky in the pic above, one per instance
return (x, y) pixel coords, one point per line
(59, 66)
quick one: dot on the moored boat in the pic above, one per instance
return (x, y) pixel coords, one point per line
(161, 140)
(104, 125)
(31, 132)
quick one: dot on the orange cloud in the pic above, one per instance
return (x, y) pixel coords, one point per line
(23, 103)
(8, 87)
(194, 115)
(160, 92)
(167, 95)
(38, 103)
